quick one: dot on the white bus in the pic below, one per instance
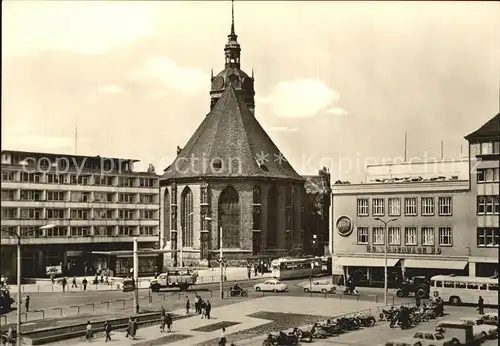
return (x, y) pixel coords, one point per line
(295, 268)
(464, 289)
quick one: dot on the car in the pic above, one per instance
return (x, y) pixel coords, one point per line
(479, 328)
(490, 318)
(435, 338)
(417, 285)
(320, 286)
(272, 285)
(404, 342)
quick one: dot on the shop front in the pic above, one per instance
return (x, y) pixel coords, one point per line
(368, 271)
(430, 267)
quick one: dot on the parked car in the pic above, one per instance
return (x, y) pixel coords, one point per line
(490, 318)
(436, 339)
(417, 285)
(272, 285)
(479, 328)
(404, 342)
(320, 286)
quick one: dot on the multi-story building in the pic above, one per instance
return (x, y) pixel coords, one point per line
(484, 148)
(71, 211)
(439, 222)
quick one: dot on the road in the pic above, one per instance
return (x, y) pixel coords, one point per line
(53, 304)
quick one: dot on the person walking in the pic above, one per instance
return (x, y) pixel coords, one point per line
(223, 339)
(129, 328)
(168, 322)
(74, 283)
(208, 308)
(52, 279)
(203, 308)
(162, 311)
(107, 331)
(27, 303)
(162, 323)
(187, 305)
(134, 328)
(64, 282)
(88, 331)
(84, 284)
(197, 302)
(480, 305)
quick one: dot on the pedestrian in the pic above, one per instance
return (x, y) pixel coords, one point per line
(63, 284)
(74, 283)
(162, 323)
(208, 308)
(187, 305)
(88, 333)
(480, 305)
(249, 273)
(84, 284)
(168, 322)
(129, 328)
(27, 302)
(162, 311)
(106, 279)
(134, 328)
(255, 270)
(197, 301)
(417, 300)
(223, 339)
(52, 279)
(203, 307)
(96, 279)
(107, 331)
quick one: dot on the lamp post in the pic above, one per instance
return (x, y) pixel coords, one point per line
(18, 279)
(136, 275)
(385, 254)
(221, 259)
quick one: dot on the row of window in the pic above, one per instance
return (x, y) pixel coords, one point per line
(78, 231)
(410, 236)
(488, 205)
(488, 175)
(466, 285)
(77, 214)
(485, 148)
(77, 196)
(488, 236)
(428, 206)
(78, 179)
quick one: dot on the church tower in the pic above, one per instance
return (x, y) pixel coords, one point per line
(232, 73)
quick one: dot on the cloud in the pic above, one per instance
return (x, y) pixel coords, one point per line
(337, 111)
(283, 129)
(81, 26)
(110, 89)
(300, 98)
(187, 80)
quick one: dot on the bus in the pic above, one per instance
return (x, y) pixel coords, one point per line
(464, 289)
(296, 268)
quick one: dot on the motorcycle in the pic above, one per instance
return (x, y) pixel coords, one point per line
(366, 320)
(318, 332)
(280, 339)
(303, 335)
(238, 293)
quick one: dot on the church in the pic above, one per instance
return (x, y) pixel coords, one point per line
(230, 186)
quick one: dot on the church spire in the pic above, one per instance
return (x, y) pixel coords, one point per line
(232, 49)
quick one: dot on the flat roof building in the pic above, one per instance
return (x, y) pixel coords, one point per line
(67, 207)
(439, 217)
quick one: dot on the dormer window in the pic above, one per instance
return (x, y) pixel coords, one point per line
(217, 164)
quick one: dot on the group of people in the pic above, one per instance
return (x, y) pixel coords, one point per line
(165, 321)
(89, 332)
(201, 306)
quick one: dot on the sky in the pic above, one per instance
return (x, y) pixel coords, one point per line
(337, 83)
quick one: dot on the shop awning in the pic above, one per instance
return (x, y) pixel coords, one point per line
(435, 264)
(364, 262)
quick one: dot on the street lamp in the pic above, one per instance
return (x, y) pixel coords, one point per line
(18, 279)
(385, 254)
(221, 257)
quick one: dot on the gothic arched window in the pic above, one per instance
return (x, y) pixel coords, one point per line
(187, 217)
(229, 218)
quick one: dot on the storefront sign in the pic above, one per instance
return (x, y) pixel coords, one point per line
(344, 226)
(405, 249)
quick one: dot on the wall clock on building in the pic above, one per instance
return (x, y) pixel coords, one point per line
(218, 83)
(344, 226)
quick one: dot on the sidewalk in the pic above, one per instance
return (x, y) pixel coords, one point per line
(205, 276)
(236, 314)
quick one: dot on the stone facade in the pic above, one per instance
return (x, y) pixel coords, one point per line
(250, 244)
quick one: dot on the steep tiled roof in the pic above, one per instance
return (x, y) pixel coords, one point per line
(488, 131)
(231, 135)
